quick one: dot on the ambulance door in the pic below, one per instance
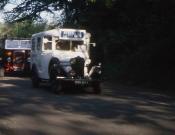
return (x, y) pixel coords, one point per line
(35, 54)
(46, 55)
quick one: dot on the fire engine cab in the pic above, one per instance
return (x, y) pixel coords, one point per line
(62, 57)
(15, 54)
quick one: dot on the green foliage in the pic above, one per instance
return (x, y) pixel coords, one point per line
(23, 29)
(136, 40)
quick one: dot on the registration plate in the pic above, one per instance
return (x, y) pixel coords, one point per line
(81, 82)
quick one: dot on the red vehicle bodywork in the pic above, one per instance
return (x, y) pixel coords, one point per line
(15, 54)
(16, 60)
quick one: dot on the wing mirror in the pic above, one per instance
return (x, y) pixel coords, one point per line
(92, 44)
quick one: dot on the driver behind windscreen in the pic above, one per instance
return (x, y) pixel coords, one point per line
(62, 45)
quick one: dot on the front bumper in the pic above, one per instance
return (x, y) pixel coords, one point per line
(77, 81)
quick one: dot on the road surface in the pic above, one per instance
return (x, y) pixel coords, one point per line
(118, 111)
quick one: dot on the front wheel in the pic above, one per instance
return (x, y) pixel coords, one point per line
(35, 79)
(96, 87)
(1, 72)
(56, 85)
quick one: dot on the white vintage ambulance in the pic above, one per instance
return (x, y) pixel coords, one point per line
(61, 57)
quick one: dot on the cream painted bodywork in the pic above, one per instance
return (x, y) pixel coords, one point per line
(63, 56)
(41, 58)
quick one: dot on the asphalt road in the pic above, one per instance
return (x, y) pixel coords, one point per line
(118, 111)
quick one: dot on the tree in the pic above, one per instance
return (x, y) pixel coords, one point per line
(31, 9)
(23, 29)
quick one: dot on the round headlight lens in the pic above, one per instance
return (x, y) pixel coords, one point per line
(72, 61)
(87, 62)
(8, 59)
(8, 53)
(67, 69)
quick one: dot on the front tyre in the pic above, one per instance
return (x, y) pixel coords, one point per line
(56, 85)
(35, 79)
(96, 87)
(1, 72)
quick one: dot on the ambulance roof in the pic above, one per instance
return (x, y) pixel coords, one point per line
(64, 34)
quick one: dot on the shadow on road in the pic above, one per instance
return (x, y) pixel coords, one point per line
(148, 109)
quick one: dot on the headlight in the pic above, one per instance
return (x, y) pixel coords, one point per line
(72, 61)
(28, 59)
(87, 62)
(9, 59)
(67, 69)
(8, 53)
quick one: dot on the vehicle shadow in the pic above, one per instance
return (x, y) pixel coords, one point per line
(18, 74)
(148, 109)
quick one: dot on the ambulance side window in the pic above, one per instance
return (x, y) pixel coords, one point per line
(48, 43)
(33, 44)
(39, 43)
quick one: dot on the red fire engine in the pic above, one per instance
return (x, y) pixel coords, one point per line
(15, 54)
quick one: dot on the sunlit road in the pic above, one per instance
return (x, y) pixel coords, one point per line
(118, 111)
